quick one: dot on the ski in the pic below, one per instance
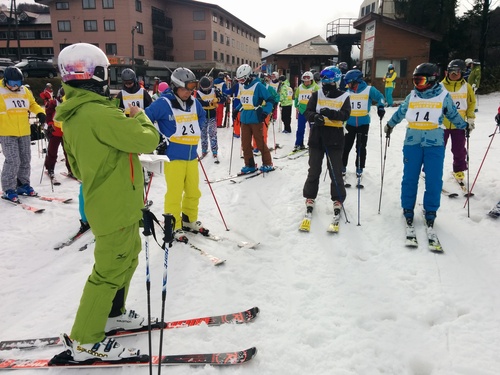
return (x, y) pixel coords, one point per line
(446, 193)
(70, 240)
(85, 246)
(54, 199)
(298, 155)
(253, 175)
(240, 317)
(66, 174)
(240, 244)
(433, 240)
(292, 153)
(55, 182)
(233, 176)
(461, 183)
(411, 235)
(495, 211)
(64, 360)
(335, 224)
(24, 206)
(305, 225)
(216, 261)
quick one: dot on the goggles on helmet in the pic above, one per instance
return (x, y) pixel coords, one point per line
(421, 82)
(14, 84)
(456, 71)
(191, 86)
(128, 83)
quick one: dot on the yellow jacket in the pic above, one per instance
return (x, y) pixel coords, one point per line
(463, 98)
(14, 108)
(390, 77)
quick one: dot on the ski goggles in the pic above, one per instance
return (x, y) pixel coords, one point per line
(191, 85)
(454, 71)
(14, 84)
(422, 82)
(128, 83)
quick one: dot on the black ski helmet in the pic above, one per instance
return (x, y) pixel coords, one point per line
(205, 83)
(457, 64)
(430, 72)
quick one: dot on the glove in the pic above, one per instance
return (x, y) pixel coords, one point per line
(235, 114)
(319, 120)
(381, 112)
(41, 117)
(327, 112)
(48, 130)
(471, 126)
(497, 119)
(263, 116)
(388, 130)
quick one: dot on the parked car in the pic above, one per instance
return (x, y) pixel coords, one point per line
(37, 68)
(3, 64)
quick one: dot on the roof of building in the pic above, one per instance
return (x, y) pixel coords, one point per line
(313, 46)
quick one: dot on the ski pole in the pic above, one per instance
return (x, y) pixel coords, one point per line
(168, 238)
(231, 153)
(497, 127)
(274, 136)
(148, 223)
(212, 191)
(467, 136)
(381, 157)
(387, 142)
(358, 166)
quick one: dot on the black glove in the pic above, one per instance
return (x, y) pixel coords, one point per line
(235, 113)
(381, 112)
(497, 119)
(41, 117)
(48, 130)
(263, 116)
(388, 130)
(319, 120)
(327, 112)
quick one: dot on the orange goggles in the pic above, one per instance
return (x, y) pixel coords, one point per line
(421, 82)
(191, 86)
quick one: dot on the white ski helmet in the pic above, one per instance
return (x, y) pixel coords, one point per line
(468, 61)
(307, 76)
(83, 62)
(243, 72)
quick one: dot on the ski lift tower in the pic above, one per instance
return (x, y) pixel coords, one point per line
(342, 34)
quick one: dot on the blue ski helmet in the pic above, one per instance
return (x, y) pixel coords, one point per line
(330, 75)
(354, 75)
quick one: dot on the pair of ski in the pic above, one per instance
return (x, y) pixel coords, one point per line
(215, 260)
(433, 243)
(358, 182)
(495, 211)
(462, 186)
(65, 360)
(237, 176)
(295, 154)
(74, 238)
(305, 225)
(34, 209)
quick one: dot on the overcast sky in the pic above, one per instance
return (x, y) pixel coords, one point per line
(284, 22)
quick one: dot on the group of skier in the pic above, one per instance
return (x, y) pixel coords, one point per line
(102, 143)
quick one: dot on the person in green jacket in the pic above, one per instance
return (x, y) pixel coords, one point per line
(475, 75)
(286, 102)
(102, 145)
(301, 97)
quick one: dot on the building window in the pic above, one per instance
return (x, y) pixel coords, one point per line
(227, 40)
(199, 35)
(62, 5)
(109, 25)
(222, 57)
(140, 50)
(227, 58)
(215, 18)
(139, 28)
(108, 4)
(198, 15)
(222, 38)
(46, 34)
(221, 21)
(63, 26)
(238, 61)
(111, 49)
(90, 25)
(200, 55)
(26, 35)
(88, 4)
(227, 24)
(138, 5)
(215, 36)
(232, 60)
(215, 55)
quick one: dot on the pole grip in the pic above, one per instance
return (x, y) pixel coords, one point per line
(169, 229)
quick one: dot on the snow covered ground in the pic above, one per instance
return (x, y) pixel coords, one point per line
(357, 302)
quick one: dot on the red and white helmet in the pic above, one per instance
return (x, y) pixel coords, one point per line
(83, 62)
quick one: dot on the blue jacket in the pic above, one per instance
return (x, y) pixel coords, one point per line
(159, 111)
(373, 96)
(233, 92)
(434, 137)
(260, 95)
